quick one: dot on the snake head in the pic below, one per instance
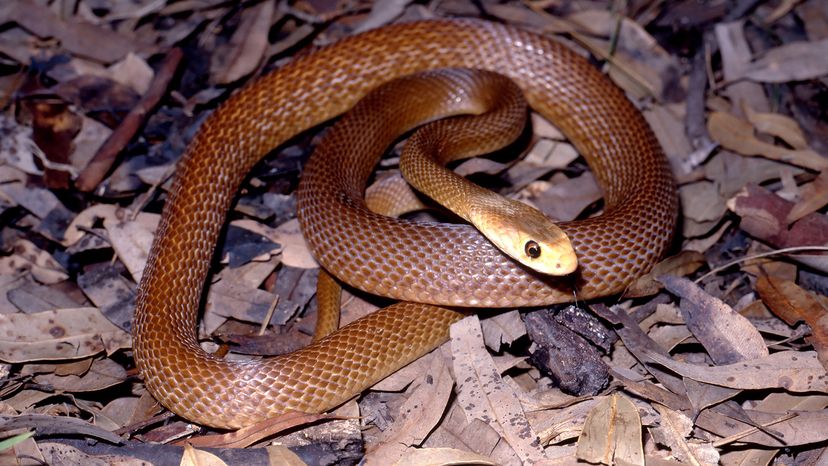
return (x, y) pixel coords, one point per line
(528, 236)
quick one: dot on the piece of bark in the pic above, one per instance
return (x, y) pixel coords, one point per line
(572, 362)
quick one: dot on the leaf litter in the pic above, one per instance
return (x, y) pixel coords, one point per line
(717, 356)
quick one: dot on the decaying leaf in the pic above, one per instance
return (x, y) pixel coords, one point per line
(418, 415)
(132, 239)
(727, 336)
(813, 197)
(29, 258)
(674, 430)
(246, 48)
(612, 434)
(61, 334)
(102, 374)
(684, 263)
(483, 394)
(794, 61)
(738, 135)
(194, 457)
(792, 304)
(70, 66)
(795, 371)
(427, 456)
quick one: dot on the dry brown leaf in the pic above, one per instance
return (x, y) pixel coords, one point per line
(764, 216)
(701, 202)
(673, 431)
(639, 344)
(29, 258)
(417, 416)
(683, 263)
(279, 455)
(775, 266)
(502, 329)
(28, 449)
(783, 8)
(56, 425)
(776, 124)
(249, 435)
(86, 219)
(62, 334)
(790, 429)
(17, 149)
(454, 431)
(667, 123)
(295, 37)
(738, 135)
(104, 373)
(242, 55)
(792, 304)
(794, 61)
(193, 457)
(649, 390)
(131, 71)
(295, 252)
(40, 202)
(612, 434)
(545, 130)
(236, 293)
(25, 399)
(813, 197)
(398, 381)
(727, 336)
(565, 198)
(441, 456)
(703, 395)
(736, 55)
(483, 394)
(638, 63)
(795, 371)
(87, 143)
(382, 12)
(703, 206)
(731, 171)
(781, 403)
(76, 36)
(132, 239)
(546, 155)
(560, 425)
(120, 410)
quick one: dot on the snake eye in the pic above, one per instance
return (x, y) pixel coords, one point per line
(532, 249)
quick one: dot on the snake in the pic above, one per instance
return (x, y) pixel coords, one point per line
(431, 268)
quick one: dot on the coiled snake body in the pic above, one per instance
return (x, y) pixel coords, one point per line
(434, 263)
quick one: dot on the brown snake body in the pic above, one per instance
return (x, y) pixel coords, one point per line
(432, 263)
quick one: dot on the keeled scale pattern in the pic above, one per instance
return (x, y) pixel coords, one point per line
(448, 264)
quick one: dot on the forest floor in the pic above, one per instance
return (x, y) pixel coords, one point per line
(715, 357)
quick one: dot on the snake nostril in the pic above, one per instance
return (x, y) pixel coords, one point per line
(532, 249)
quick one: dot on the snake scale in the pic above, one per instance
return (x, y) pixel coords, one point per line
(439, 264)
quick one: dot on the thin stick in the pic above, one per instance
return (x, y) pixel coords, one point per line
(103, 160)
(759, 256)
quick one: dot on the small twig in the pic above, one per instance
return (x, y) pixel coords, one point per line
(269, 315)
(103, 160)
(740, 435)
(759, 256)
